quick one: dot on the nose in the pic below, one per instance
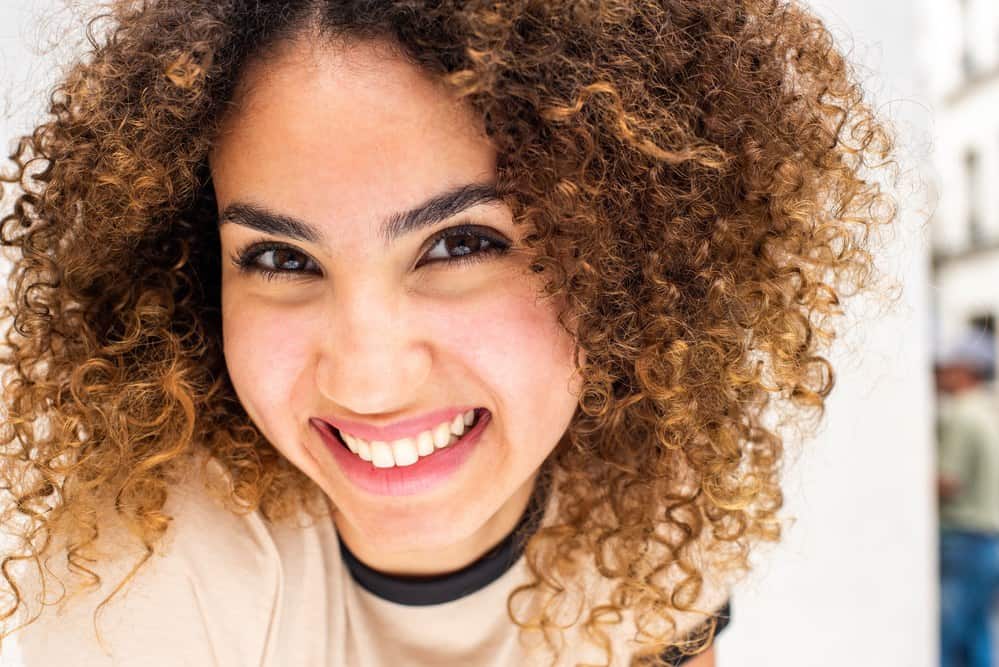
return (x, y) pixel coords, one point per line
(373, 357)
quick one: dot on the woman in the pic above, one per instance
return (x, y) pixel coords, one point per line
(494, 296)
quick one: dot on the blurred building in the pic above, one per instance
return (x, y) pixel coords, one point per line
(959, 66)
(959, 63)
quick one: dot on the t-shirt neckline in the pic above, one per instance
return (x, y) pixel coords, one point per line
(438, 589)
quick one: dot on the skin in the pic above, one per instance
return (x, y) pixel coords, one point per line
(341, 139)
(706, 659)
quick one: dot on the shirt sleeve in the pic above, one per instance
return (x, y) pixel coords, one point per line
(674, 657)
(156, 621)
(207, 597)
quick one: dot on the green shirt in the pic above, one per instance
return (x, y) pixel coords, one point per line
(968, 450)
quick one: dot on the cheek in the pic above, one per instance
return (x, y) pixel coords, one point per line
(513, 345)
(265, 359)
(502, 346)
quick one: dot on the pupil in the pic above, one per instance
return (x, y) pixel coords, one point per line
(467, 247)
(281, 258)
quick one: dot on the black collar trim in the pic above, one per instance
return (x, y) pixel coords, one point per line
(421, 591)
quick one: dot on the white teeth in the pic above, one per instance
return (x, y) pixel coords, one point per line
(442, 435)
(404, 452)
(407, 451)
(364, 450)
(425, 443)
(358, 446)
(381, 454)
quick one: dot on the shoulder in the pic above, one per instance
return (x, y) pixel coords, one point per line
(719, 619)
(706, 585)
(702, 584)
(204, 596)
(977, 405)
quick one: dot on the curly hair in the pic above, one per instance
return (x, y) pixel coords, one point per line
(696, 179)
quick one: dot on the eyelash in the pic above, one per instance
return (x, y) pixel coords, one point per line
(245, 259)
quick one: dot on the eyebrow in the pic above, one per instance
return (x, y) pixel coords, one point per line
(440, 207)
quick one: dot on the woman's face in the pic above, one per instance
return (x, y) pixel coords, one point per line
(369, 328)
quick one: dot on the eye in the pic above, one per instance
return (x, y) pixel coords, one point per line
(273, 260)
(470, 244)
(460, 245)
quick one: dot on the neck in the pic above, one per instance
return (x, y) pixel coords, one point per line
(422, 563)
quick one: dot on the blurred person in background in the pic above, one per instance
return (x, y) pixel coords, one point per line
(968, 492)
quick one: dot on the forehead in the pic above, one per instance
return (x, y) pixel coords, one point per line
(350, 128)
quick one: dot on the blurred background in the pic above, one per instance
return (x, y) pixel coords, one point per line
(900, 458)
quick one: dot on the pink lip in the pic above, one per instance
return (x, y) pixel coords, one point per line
(400, 429)
(421, 477)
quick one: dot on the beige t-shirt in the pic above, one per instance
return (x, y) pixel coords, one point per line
(236, 591)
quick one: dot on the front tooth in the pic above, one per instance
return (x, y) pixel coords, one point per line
(381, 454)
(363, 449)
(458, 425)
(404, 452)
(425, 443)
(442, 435)
(469, 417)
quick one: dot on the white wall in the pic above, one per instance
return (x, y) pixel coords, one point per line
(33, 36)
(854, 581)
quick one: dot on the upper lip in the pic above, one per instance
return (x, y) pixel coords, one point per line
(403, 428)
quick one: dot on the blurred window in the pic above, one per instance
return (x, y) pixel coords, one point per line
(984, 322)
(972, 176)
(967, 57)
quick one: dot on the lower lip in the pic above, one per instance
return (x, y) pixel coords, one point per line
(426, 474)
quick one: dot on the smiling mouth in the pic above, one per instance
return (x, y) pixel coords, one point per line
(365, 449)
